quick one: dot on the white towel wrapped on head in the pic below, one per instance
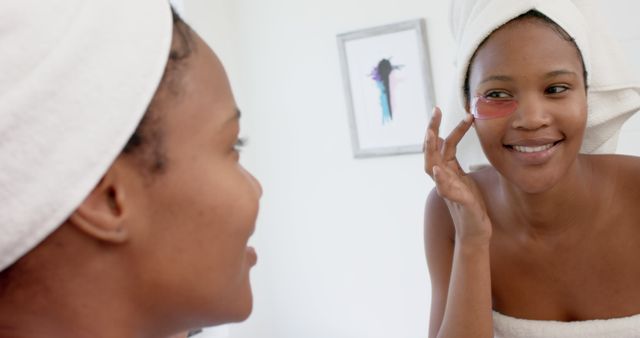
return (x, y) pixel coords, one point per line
(76, 78)
(614, 88)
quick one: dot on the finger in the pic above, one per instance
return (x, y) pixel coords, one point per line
(443, 182)
(429, 137)
(436, 119)
(451, 142)
(440, 144)
(430, 140)
(449, 185)
(454, 165)
(432, 153)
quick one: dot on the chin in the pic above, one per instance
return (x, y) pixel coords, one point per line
(245, 313)
(237, 309)
(244, 307)
(236, 315)
(535, 184)
(533, 189)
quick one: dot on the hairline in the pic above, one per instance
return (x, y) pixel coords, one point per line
(534, 15)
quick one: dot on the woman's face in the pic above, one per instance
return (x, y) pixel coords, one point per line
(201, 210)
(532, 70)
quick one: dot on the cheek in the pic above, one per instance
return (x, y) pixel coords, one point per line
(230, 211)
(490, 132)
(572, 118)
(581, 117)
(212, 209)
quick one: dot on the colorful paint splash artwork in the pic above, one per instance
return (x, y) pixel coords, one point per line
(381, 74)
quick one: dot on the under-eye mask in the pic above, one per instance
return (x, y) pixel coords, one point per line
(484, 109)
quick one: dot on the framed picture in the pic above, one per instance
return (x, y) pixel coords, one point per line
(388, 87)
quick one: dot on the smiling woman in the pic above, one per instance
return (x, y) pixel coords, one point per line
(537, 236)
(528, 62)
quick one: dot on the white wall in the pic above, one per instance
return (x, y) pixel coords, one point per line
(622, 18)
(339, 240)
(178, 5)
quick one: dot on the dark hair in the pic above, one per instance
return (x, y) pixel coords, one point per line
(544, 19)
(146, 142)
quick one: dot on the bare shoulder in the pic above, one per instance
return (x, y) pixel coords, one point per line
(486, 177)
(437, 220)
(439, 237)
(621, 170)
(438, 223)
(614, 160)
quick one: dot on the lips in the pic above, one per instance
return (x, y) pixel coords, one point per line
(533, 151)
(525, 149)
(532, 145)
(251, 255)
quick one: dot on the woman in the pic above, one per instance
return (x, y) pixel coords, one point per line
(125, 212)
(546, 235)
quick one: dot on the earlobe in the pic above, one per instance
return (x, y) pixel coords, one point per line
(101, 214)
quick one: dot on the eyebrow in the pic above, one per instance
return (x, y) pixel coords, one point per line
(560, 72)
(497, 78)
(551, 74)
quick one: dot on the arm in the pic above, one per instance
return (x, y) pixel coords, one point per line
(457, 237)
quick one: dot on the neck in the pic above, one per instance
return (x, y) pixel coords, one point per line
(43, 307)
(565, 205)
(56, 292)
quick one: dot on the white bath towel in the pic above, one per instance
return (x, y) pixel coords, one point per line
(614, 88)
(509, 327)
(76, 77)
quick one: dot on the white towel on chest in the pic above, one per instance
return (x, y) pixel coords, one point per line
(614, 86)
(509, 327)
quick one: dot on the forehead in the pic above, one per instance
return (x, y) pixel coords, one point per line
(207, 88)
(526, 45)
(200, 112)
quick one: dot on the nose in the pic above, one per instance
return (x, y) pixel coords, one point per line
(532, 114)
(254, 183)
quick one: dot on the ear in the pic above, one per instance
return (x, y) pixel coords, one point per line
(102, 214)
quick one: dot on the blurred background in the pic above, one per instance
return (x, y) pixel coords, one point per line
(339, 239)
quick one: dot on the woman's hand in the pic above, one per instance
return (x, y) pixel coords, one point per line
(460, 192)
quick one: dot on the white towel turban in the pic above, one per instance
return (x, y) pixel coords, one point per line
(76, 77)
(614, 88)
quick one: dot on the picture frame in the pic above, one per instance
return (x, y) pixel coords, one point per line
(388, 87)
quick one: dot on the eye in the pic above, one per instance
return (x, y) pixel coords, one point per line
(556, 89)
(194, 333)
(497, 95)
(240, 143)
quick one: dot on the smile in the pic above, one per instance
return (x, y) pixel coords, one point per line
(534, 151)
(525, 149)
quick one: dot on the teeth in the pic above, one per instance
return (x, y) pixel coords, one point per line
(524, 149)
